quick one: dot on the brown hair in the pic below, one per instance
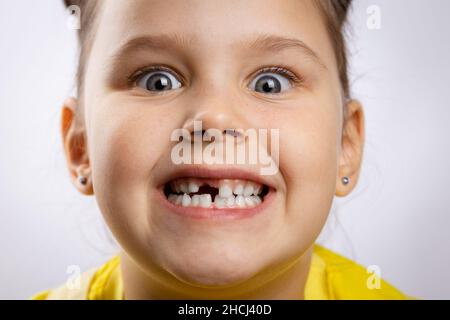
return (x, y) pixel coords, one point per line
(334, 13)
(88, 10)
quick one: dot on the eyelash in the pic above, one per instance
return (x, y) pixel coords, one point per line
(282, 70)
(140, 72)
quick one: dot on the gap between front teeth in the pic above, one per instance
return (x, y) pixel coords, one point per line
(227, 187)
(205, 201)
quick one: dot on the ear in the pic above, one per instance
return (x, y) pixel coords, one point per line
(351, 149)
(75, 147)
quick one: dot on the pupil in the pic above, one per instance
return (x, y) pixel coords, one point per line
(269, 85)
(159, 82)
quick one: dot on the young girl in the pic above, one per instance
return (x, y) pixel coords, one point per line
(206, 230)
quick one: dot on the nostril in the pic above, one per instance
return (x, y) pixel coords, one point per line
(204, 133)
(232, 132)
(198, 134)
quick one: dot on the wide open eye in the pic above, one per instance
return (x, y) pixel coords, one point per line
(157, 81)
(273, 81)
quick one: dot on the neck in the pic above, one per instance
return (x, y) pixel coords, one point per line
(288, 282)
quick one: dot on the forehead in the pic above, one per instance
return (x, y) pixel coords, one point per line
(212, 27)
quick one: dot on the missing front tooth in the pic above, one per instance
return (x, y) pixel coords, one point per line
(205, 189)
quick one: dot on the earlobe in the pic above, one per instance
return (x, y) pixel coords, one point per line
(352, 147)
(75, 147)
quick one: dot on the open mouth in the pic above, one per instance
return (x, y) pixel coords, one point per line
(215, 193)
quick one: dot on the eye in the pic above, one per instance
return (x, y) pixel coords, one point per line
(157, 80)
(274, 80)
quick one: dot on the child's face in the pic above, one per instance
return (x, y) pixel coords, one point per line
(212, 69)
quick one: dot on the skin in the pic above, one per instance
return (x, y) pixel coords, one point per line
(122, 144)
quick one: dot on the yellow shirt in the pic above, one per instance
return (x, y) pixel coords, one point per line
(331, 277)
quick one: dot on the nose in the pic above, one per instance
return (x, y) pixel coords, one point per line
(218, 110)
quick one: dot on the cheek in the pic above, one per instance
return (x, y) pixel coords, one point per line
(125, 139)
(308, 161)
(309, 149)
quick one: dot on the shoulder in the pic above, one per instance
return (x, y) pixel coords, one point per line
(346, 279)
(331, 276)
(97, 283)
(65, 292)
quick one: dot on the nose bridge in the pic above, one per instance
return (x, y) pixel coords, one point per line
(215, 103)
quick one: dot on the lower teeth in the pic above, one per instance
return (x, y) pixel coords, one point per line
(205, 201)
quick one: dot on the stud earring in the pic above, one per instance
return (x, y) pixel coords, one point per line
(82, 180)
(345, 181)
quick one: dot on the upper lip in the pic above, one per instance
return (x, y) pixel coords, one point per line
(215, 172)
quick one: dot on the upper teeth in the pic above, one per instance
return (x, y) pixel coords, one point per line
(225, 190)
(193, 186)
(232, 193)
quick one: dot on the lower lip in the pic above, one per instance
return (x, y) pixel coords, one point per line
(216, 213)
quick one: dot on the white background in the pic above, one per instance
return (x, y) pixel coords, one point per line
(397, 218)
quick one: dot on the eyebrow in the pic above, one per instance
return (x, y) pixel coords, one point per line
(274, 43)
(260, 42)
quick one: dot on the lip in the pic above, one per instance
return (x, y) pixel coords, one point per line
(217, 213)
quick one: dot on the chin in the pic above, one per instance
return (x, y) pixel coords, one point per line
(214, 270)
